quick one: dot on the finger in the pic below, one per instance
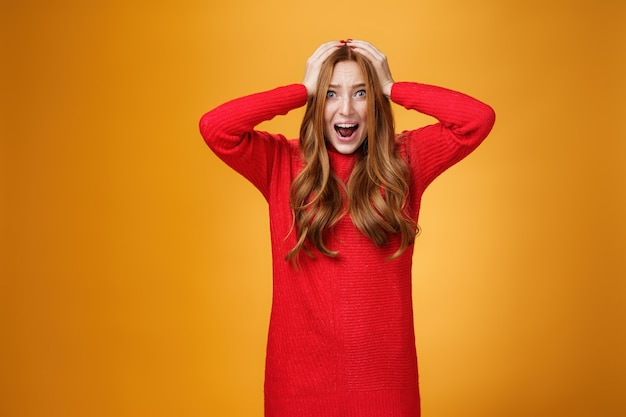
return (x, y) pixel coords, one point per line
(324, 50)
(357, 43)
(378, 60)
(368, 50)
(314, 65)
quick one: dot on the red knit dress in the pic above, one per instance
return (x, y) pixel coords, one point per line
(341, 340)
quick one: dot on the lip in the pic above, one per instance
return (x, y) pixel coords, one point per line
(347, 139)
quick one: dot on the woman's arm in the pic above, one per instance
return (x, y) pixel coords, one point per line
(229, 131)
(464, 123)
(468, 119)
(225, 127)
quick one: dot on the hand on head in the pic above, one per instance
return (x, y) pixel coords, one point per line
(378, 60)
(369, 51)
(314, 64)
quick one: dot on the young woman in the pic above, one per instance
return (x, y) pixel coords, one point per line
(344, 202)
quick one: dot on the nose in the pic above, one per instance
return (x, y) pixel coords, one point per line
(346, 106)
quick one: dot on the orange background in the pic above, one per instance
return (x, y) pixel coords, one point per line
(135, 266)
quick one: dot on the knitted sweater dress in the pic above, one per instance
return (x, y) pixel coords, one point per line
(341, 339)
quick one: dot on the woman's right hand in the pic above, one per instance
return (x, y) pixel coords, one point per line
(314, 64)
(378, 60)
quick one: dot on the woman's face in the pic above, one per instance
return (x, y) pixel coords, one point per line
(345, 111)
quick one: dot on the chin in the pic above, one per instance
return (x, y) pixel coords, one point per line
(347, 148)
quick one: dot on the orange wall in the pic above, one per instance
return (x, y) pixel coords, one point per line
(135, 270)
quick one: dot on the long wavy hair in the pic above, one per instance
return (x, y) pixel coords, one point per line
(376, 194)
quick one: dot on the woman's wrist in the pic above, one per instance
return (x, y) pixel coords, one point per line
(386, 88)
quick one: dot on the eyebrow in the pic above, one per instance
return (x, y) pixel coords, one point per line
(360, 85)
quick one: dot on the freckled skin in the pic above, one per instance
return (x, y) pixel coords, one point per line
(346, 104)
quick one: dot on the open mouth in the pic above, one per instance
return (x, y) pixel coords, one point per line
(345, 130)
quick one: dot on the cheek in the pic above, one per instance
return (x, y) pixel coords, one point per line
(363, 116)
(328, 118)
(329, 111)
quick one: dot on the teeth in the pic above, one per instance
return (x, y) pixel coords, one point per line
(346, 125)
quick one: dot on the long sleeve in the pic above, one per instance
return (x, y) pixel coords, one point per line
(229, 131)
(463, 123)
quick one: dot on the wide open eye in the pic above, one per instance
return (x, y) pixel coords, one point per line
(360, 94)
(331, 94)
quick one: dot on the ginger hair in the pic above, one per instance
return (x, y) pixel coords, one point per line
(377, 191)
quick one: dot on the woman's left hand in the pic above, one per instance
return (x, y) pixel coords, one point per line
(378, 60)
(314, 65)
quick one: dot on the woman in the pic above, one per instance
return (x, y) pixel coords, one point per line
(344, 202)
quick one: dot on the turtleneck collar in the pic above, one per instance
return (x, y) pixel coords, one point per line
(342, 164)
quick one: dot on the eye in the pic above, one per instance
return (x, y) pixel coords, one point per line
(360, 93)
(331, 94)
